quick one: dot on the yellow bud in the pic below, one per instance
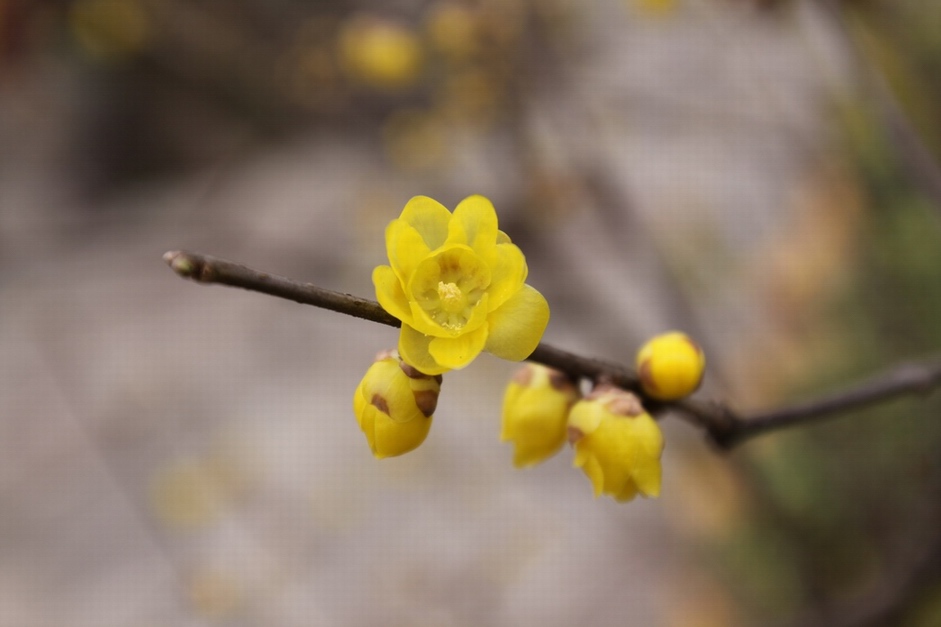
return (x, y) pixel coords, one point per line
(617, 444)
(670, 366)
(394, 404)
(535, 409)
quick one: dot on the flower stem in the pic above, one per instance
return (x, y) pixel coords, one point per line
(724, 427)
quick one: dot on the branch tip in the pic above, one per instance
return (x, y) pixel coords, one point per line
(181, 263)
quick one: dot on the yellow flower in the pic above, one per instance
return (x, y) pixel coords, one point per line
(394, 404)
(380, 53)
(457, 283)
(535, 410)
(671, 366)
(617, 443)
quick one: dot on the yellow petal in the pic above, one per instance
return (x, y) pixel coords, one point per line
(390, 294)
(516, 328)
(366, 415)
(626, 492)
(396, 438)
(359, 405)
(508, 273)
(594, 472)
(429, 218)
(534, 417)
(648, 436)
(475, 224)
(459, 351)
(406, 249)
(647, 476)
(585, 416)
(413, 347)
(510, 400)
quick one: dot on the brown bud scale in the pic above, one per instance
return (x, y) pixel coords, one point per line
(625, 404)
(414, 373)
(575, 434)
(380, 403)
(427, 401)
(523, 376)
(560, 381)
(646, 375)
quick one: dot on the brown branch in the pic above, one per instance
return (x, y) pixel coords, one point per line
(902, 380)
(723, 426)
(206, 269)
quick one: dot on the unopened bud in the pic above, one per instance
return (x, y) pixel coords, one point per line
(394, 404)
(670, 366)
(535, 410)
(617, 444)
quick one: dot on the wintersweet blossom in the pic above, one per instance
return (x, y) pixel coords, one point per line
(617, 444)
(457, 283)
(671, 366)
(535, 410)
(394, 404)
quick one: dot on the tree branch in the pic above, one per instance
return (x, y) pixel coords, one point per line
(723, 426)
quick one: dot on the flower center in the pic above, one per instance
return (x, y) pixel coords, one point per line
(449, 285)
(452, 299)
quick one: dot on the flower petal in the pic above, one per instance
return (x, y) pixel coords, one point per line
(390, 294)
(627, 492)
(475, 224)
(646, 476)
(508, 272)
(405, 247)
(429, 218)
(516, 328)
(585, 416)
(459, 351)
(413, 347)
(592, 468)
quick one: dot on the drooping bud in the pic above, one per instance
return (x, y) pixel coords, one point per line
(394, 404)
(535, 410)
(617, 444)
(670, 366)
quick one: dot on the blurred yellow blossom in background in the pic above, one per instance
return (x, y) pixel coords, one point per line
(380, 53)
(453, 30)
(653, 8)
(109, 30)
(415, 140)
(188, 494)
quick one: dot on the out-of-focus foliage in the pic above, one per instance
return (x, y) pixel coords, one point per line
(845, 516)
(415, 74)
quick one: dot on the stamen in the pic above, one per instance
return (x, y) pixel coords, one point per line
(448, 291)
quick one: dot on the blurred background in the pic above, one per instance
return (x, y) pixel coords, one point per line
(758, 173)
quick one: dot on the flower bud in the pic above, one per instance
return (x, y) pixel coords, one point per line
(394, 404)
(670, 366)
(617, 444)
(535, 409)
